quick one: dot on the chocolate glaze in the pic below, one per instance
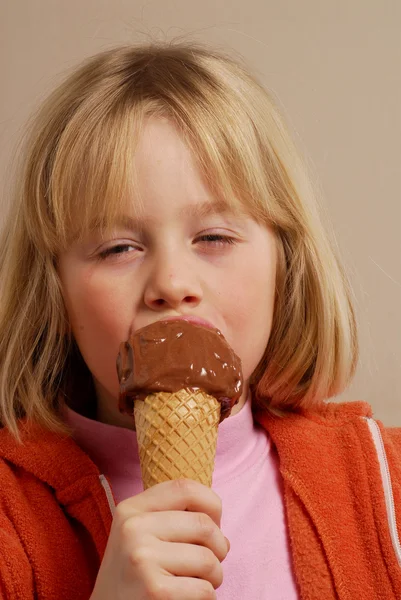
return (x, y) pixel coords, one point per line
(171, 355)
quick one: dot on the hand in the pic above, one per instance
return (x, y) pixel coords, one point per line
(164, 543)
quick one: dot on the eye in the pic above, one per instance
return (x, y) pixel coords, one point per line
(216, 239)
(116, 250)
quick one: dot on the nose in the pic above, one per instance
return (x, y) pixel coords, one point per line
(172, 283)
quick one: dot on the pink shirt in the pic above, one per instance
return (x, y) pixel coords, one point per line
(246, 477)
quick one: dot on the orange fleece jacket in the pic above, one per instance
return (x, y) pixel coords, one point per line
(342, 487)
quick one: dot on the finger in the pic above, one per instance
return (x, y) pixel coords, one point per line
(181, 494)
(182, 527)
(188, 560)
(182, 588)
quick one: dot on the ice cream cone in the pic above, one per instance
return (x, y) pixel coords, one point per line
(179, 380)
(177, 435)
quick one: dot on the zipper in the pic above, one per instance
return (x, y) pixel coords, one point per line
(109, 494)
(387, 486)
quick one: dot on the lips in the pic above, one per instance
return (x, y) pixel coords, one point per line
(191, 319)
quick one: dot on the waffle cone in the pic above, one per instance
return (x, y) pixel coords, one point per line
(177, 436)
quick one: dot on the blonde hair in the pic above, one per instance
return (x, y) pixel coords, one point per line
(77, 172)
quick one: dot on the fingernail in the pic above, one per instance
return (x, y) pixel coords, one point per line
(228, 544)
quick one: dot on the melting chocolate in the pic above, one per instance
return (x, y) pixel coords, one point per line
(171, 355)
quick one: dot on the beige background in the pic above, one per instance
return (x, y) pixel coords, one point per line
(335, 67)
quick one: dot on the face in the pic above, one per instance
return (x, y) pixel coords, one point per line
(183, 255)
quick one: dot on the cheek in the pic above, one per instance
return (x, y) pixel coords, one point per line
(94, 302)
(249, 295)
(90, 308)
(248, 313)
(99, 320)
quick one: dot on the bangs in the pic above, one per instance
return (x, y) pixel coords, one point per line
(91, 178)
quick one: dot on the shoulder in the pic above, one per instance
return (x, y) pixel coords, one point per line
(327, 415)
(393, 435)
(48, 458)
(337, 414)
(330, 415)
(360, 415)
(332, 428)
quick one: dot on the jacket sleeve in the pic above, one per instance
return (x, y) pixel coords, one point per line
(392, 445)
(16, 580)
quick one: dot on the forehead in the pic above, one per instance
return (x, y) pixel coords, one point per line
(160, 139)
(165, 165)
(169, 178)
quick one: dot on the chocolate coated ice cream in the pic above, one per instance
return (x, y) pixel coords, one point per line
(171, 355)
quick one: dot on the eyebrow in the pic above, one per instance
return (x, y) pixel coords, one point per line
(205, 209)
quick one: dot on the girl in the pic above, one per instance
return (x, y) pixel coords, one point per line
(157, 182)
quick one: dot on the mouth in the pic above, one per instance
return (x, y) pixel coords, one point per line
(191, 319)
